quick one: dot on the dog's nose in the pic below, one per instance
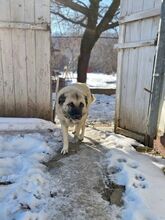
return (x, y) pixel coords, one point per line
(75, 113)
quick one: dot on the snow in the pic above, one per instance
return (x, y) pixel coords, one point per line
(19, 124)
(144, 197)
(20, 163)
(98, 80)
(102, 109)
(24, 182)
(28, 190)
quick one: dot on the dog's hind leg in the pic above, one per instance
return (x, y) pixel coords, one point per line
(65, 139)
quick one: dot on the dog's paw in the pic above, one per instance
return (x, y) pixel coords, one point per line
(64, 151)
(77, 139)
(81, 138)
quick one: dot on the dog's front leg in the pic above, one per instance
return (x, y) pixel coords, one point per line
(82, 131)
(77, 132)
(81, 136)
(65, 139)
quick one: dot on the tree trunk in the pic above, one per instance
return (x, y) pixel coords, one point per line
(83, 62)
(87, 43)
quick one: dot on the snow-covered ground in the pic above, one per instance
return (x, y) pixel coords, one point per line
(29, 192)
(97, 80)
(142, 176)
(102, 109)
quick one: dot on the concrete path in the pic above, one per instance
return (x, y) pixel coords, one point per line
(81, 190)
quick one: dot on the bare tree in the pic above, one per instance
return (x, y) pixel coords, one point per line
(94, 18)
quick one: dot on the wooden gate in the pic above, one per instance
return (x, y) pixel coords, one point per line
(24, 58)
(139, 24)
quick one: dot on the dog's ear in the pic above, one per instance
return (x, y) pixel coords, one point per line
(86, 100)
(61, 99)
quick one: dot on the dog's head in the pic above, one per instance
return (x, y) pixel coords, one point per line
(73, 104)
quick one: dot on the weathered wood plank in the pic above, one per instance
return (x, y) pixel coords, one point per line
(158, 3)
(8, 77)
(24, 52)
(7, 63)
(4, 16)
(129, 83)
(106, 91)
(13, 25)
(2, 95)
(142, 94)
(31, 74)
(123, 92)
(5, 10)
(130, 73)
(123, 7)
(145, 70)
(128, 133)
(119, 76)
(19, 57)
(29, 11)
(135, 44)
(135, 36)
(30, 57)
(137, 6)
(42, 11)
(43, 79)
(121, 62)
(17, 10)
(137, 64)
(20, 76)
(140, 15)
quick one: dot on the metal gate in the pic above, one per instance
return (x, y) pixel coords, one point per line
(25, 89)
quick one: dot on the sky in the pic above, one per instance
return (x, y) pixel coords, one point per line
(60, 27)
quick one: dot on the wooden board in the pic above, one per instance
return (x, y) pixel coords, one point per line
(25, 89)
(8, 76)
(2, 102)
(31, 73)
(42, 73)
(135, 64)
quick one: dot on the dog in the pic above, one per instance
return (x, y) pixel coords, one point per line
(72, 110)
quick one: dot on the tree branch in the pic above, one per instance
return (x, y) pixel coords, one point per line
(74, 6)
(82, 4)
(80, 22)
(111, 26)
(104, 23)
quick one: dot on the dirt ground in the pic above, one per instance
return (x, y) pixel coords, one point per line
(83, 189)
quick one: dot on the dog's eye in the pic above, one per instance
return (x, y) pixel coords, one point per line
(81, 105)
(71, 104)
